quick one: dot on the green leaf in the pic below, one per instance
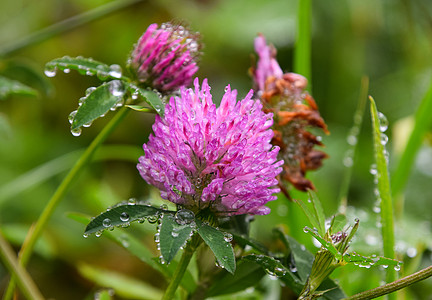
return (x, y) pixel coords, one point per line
(122, 215)
(138, 249)
(310, 215)
(383, 185)
(244, 241)
(152, 98)
(96, 104)
(140, 108)
(219, 243)
(247, 274)
(9, 87)
(85, 66)
(368, 261)
(173, 236)
(326, 244)
(124, 286)
(319, 211)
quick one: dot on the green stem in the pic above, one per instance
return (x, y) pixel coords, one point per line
(393, 286)
(302, 53)
(24, 281)
(180, 271)
(66, 25)
(33, 236)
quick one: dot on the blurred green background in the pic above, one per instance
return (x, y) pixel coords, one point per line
(388, 41)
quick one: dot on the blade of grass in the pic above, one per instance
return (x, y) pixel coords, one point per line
(423, 122)
(23, 279)
(47, 170)
(384, 190)
(352, 140)
(302, 53)
(66, 25)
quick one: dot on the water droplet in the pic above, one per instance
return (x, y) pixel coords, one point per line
(88, 124)
(174, 234)
(124, 216)
(385, 266)
(184, 216)
(76, 131)
(132, 201)
(72, 116)
(397, 268)
(115, 71)
(98, 233)
(279, 271)
(228, 237)
(383, 122)
(106, 222)
(373, 169)
(162, 260)
(66, 70)
(384, 139)
(152, 219)
(89, 90)
(50, 71)
(411, 252)
(352, 140)
(101, 73)
(85, 235)
(116, 88)
(348, 161)
(157, 238)
(163, 207)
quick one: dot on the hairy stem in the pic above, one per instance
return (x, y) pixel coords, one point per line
(393, 286)
(33, 235)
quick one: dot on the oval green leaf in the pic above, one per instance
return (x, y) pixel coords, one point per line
(122, 215)
(173, 236)
(85, 66)
(98, 103)
(9, 87)
(152, 98)
(219, 244)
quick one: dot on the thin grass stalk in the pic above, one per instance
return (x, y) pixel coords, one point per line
(302, 52)
(65, 25)
(352, 140)
(423, 122)
(49, 209)
(23, 279)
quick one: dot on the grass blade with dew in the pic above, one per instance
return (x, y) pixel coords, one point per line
(352, 140)
(379, 125)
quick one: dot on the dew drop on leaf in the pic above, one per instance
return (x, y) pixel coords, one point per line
(72, 116)
(50, 71)
(76, 131)
(124, 217)
(89, 90)
(184, 216)
(228, 237)
(383, 122)
(115, 71)
(106, 223)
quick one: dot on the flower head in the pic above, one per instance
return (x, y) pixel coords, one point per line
(295, 112)
(220, 159)
(165, 58)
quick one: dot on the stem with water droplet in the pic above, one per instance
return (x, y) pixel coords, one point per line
(393, 286)
(33, 235)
